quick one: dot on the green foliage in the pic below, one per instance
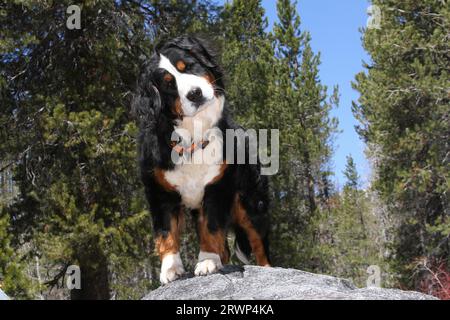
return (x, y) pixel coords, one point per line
(76, 172)
(13, 279)
(67, 132)
(247, 57)
(70, 186)
(351, 174)
(348, 236)
(299, 106)
(403, 111)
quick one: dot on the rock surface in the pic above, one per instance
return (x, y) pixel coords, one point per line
(251, 282)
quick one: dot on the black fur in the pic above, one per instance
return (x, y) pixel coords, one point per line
(152, 105)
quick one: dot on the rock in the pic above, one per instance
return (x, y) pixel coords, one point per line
(259, 283)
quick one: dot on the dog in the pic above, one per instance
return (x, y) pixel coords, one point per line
(181, 87)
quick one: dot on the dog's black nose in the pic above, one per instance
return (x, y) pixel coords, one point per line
(195, 95)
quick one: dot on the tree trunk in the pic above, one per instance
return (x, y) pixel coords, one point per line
(310, 183)
(94, 279)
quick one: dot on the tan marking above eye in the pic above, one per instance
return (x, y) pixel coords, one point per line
(168, 77)
(181, 65)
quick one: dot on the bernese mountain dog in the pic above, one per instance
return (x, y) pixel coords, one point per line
(182, 113)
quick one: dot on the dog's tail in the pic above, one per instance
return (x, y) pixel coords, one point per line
(242, 247)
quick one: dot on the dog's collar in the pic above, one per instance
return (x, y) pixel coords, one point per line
(191, 149)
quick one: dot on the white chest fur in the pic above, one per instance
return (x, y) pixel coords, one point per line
(190, 179)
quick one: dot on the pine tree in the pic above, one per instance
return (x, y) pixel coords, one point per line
(13, 279)
(403, 111)
(299, 106)
(67, 133)
(66, 95)
(246, 57)
(171, 18)
(351, 174)
(348, 235)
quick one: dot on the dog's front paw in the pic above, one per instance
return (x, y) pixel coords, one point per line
(171, 268)
(207, 263)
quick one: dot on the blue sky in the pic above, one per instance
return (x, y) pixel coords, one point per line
(334, 26)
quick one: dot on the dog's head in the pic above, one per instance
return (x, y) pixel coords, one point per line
(181, 78)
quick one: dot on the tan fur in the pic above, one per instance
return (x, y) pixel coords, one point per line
(181, 66)
(168, 77)
(209, 77)
(160, 178)
(171, 243)
(178, 109)
(219, 176)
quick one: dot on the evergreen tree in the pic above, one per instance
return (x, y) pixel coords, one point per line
(348, 235)
(299, 106)
(351, 174)
(13, 279)
(404, 111)
(171, 18)
(68, 176)
(246, 57)
(65, 94)
(67, 133)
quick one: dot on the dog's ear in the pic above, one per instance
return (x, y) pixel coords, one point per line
(146, 103)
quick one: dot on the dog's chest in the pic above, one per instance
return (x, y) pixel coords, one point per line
(191, 178)
(190, 181)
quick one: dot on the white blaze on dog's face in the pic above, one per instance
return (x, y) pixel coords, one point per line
(195, 92)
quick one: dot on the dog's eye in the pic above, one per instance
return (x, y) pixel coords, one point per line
(188, 66)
